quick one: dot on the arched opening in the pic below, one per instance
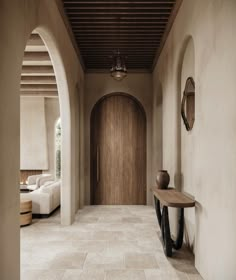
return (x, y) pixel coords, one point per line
(39, 109)
(118, 151)
(185, 160)
(67, 189)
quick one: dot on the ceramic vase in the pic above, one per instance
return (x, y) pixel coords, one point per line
(162, 179)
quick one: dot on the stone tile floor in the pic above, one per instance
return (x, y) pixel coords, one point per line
(104, 243)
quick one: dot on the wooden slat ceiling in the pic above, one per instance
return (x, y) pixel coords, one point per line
(37, 76)
(138, 28)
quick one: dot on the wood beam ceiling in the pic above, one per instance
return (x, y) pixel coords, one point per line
(136, 27)
(37, 77)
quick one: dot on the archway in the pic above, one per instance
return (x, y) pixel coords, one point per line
(67, 190)
(185, 140)
(118, 151)
(39, 111)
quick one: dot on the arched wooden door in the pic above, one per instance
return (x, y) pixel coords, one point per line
(118, 151)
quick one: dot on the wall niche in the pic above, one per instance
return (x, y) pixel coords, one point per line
(188, 104)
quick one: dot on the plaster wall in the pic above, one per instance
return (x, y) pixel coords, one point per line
(37, 129)
(98, 85)
(33, 134)
(17, 20)
(202, 162)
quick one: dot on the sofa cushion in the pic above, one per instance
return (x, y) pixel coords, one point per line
(49, 187)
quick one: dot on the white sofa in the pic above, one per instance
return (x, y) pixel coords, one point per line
(45, 199)
(36, 181)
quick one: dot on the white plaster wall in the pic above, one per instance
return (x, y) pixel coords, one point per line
(37, 129)
(157, 129)
(33, 134)
(187, 147)
(211, 175)
(17, 20)
(52, 113)
(98, 85)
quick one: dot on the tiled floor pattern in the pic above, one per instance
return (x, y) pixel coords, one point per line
(104, 243)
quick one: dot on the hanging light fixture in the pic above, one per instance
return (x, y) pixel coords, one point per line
(118, 69)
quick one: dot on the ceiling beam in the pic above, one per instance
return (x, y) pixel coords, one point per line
(116, 8)
(101, 44)
(50, 94)
(37, 70)
(121, 13)
(38, 80)
(36, 56)
(118, 2)
(117, 33)
(93, 23)
(121, 18)
(35, 40)
(116, 28)
(38, 87)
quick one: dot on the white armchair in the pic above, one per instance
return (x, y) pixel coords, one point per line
(35, 181)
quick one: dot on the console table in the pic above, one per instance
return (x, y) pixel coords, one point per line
(171, 198)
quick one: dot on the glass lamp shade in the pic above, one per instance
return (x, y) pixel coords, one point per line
(118, 75)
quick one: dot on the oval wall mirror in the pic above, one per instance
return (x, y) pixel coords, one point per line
(188, 104)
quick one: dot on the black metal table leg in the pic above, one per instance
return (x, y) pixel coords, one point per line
(177, 244)
(163, 220)
(158, 210)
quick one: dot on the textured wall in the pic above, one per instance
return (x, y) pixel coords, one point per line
(33, 134)
(202, 162)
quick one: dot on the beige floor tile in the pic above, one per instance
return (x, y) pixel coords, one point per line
(116, 242)
(101, 261)
(75, 274)
(140, 261)
(68, 260)
(125, 275)
(132, 220)
(93, 246)
(123, 246)
(194, 277)
(37, 274)
(153, 274)
(107, 235)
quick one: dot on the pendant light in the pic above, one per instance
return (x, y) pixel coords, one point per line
(118, 69)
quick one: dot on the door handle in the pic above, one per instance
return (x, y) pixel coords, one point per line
(98, 164)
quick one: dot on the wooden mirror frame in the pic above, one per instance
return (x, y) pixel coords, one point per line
(189, 116)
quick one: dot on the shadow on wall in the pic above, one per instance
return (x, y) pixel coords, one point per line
(184, 177)
(188, 44)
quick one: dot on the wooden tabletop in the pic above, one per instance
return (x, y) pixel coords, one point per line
(173, 198)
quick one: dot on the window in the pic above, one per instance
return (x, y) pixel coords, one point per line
(58, 148)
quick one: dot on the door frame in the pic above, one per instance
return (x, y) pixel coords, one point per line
(91, 133)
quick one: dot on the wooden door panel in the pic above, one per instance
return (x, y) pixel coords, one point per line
(118, 131)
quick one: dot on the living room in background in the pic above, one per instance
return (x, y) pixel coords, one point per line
(39, 111)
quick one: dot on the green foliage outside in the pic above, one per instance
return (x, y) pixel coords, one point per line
(58, 149)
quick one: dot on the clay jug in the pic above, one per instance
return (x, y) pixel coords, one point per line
(162, 179)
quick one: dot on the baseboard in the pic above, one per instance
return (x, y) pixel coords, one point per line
(44, 216)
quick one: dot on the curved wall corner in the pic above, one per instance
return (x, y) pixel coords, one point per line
(187, 142)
